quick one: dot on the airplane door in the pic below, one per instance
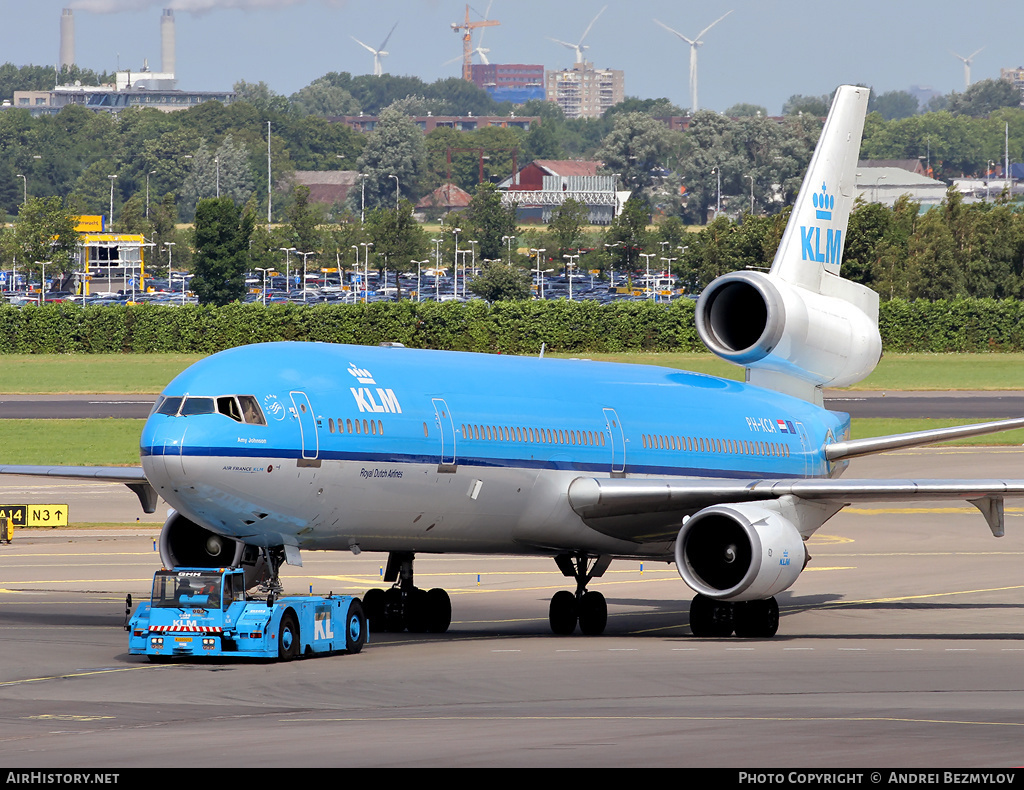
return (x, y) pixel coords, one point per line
(446, 427)
(303, 410)
(618, 442)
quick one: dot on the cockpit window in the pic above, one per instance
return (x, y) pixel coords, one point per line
(251, 411)
(240, 408)
(197, 406)
(169, 406)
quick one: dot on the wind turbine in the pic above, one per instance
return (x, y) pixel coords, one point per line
(967, 66)
(380, 52)
(578, 46)
(694, 43)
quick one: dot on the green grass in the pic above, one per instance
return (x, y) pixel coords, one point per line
(70, 442)
(149, 373)
(91, 374)
(866, 427)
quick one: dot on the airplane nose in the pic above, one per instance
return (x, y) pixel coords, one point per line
(161, 446)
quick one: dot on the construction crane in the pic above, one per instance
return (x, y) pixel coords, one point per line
(467, 29)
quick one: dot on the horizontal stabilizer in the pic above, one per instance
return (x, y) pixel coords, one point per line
(855, 448)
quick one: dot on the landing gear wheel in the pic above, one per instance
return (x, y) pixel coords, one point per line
(757, 619)
(710, 618)
(593, 613)
(373, 607)
(439, 609)
(417, 611)
(288, 637)
(394, 611)
(355, 628)
(562, 613)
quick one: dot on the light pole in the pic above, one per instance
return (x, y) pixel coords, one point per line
(25, 180)
(150, 173)
(264, 284)
(270, 190)
(437, 265)
(472, 265)
(304, 255)
(508, 240)
(419, 272)
(366, 269)
(170, 267)
(362, 210)
(569, 265)
(287, 268)
(668, 269)
(647, 259)
(396, 191)
(751, 193)
(42, 280)
(112, 179)
(611, 263)
(988, 178)
(540, 282)
(877, 182)
(455, 267)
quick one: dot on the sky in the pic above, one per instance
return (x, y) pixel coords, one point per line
(762, 53)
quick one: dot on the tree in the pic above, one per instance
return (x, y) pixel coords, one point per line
(499, 281)
(223, 173)
(45, 231)
(396, 236)
(984, 97)
(744, 110)
(222, 234)
(566, 227)
(487, 221)
(393, 148)
(304, 220)
(323, 97)
(636, 148)
(894, 104)
(807, 105)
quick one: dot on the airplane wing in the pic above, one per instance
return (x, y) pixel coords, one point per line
(648, 510)
(131, 476)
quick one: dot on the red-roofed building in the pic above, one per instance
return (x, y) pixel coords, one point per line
(446, 198)
(544, 184)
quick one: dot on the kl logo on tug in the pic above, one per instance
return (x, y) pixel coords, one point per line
(810, 237)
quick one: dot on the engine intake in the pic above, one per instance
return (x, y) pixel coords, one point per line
(763, 322)
(739, 552)
(185, 544)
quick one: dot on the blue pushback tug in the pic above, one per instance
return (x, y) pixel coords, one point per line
(197, 612)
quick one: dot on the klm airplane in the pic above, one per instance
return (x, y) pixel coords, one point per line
(267, 450)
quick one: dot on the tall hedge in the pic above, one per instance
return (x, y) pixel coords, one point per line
(506, 327)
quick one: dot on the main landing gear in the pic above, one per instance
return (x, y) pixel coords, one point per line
(747, 619)
(589, 609)
(404, 606)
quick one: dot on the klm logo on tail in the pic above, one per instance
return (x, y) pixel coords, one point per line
(811, 248)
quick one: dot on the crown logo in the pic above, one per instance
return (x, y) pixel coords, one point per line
(824, 203)
(362, 375)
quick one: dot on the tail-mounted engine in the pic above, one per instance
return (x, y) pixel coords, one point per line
(183, 543)
(765, 323)
(739, 552)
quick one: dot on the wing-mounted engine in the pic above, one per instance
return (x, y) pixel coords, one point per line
(771, 326)
(183, 543)
(739, 552)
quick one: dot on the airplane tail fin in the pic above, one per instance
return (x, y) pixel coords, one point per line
(801, 326)
(813, 242)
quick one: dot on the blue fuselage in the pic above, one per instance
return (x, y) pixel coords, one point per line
(330, 446)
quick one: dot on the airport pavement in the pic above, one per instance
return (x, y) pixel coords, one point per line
(900, 646)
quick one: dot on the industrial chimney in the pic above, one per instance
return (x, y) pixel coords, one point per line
(67, 39)
(167, 41)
